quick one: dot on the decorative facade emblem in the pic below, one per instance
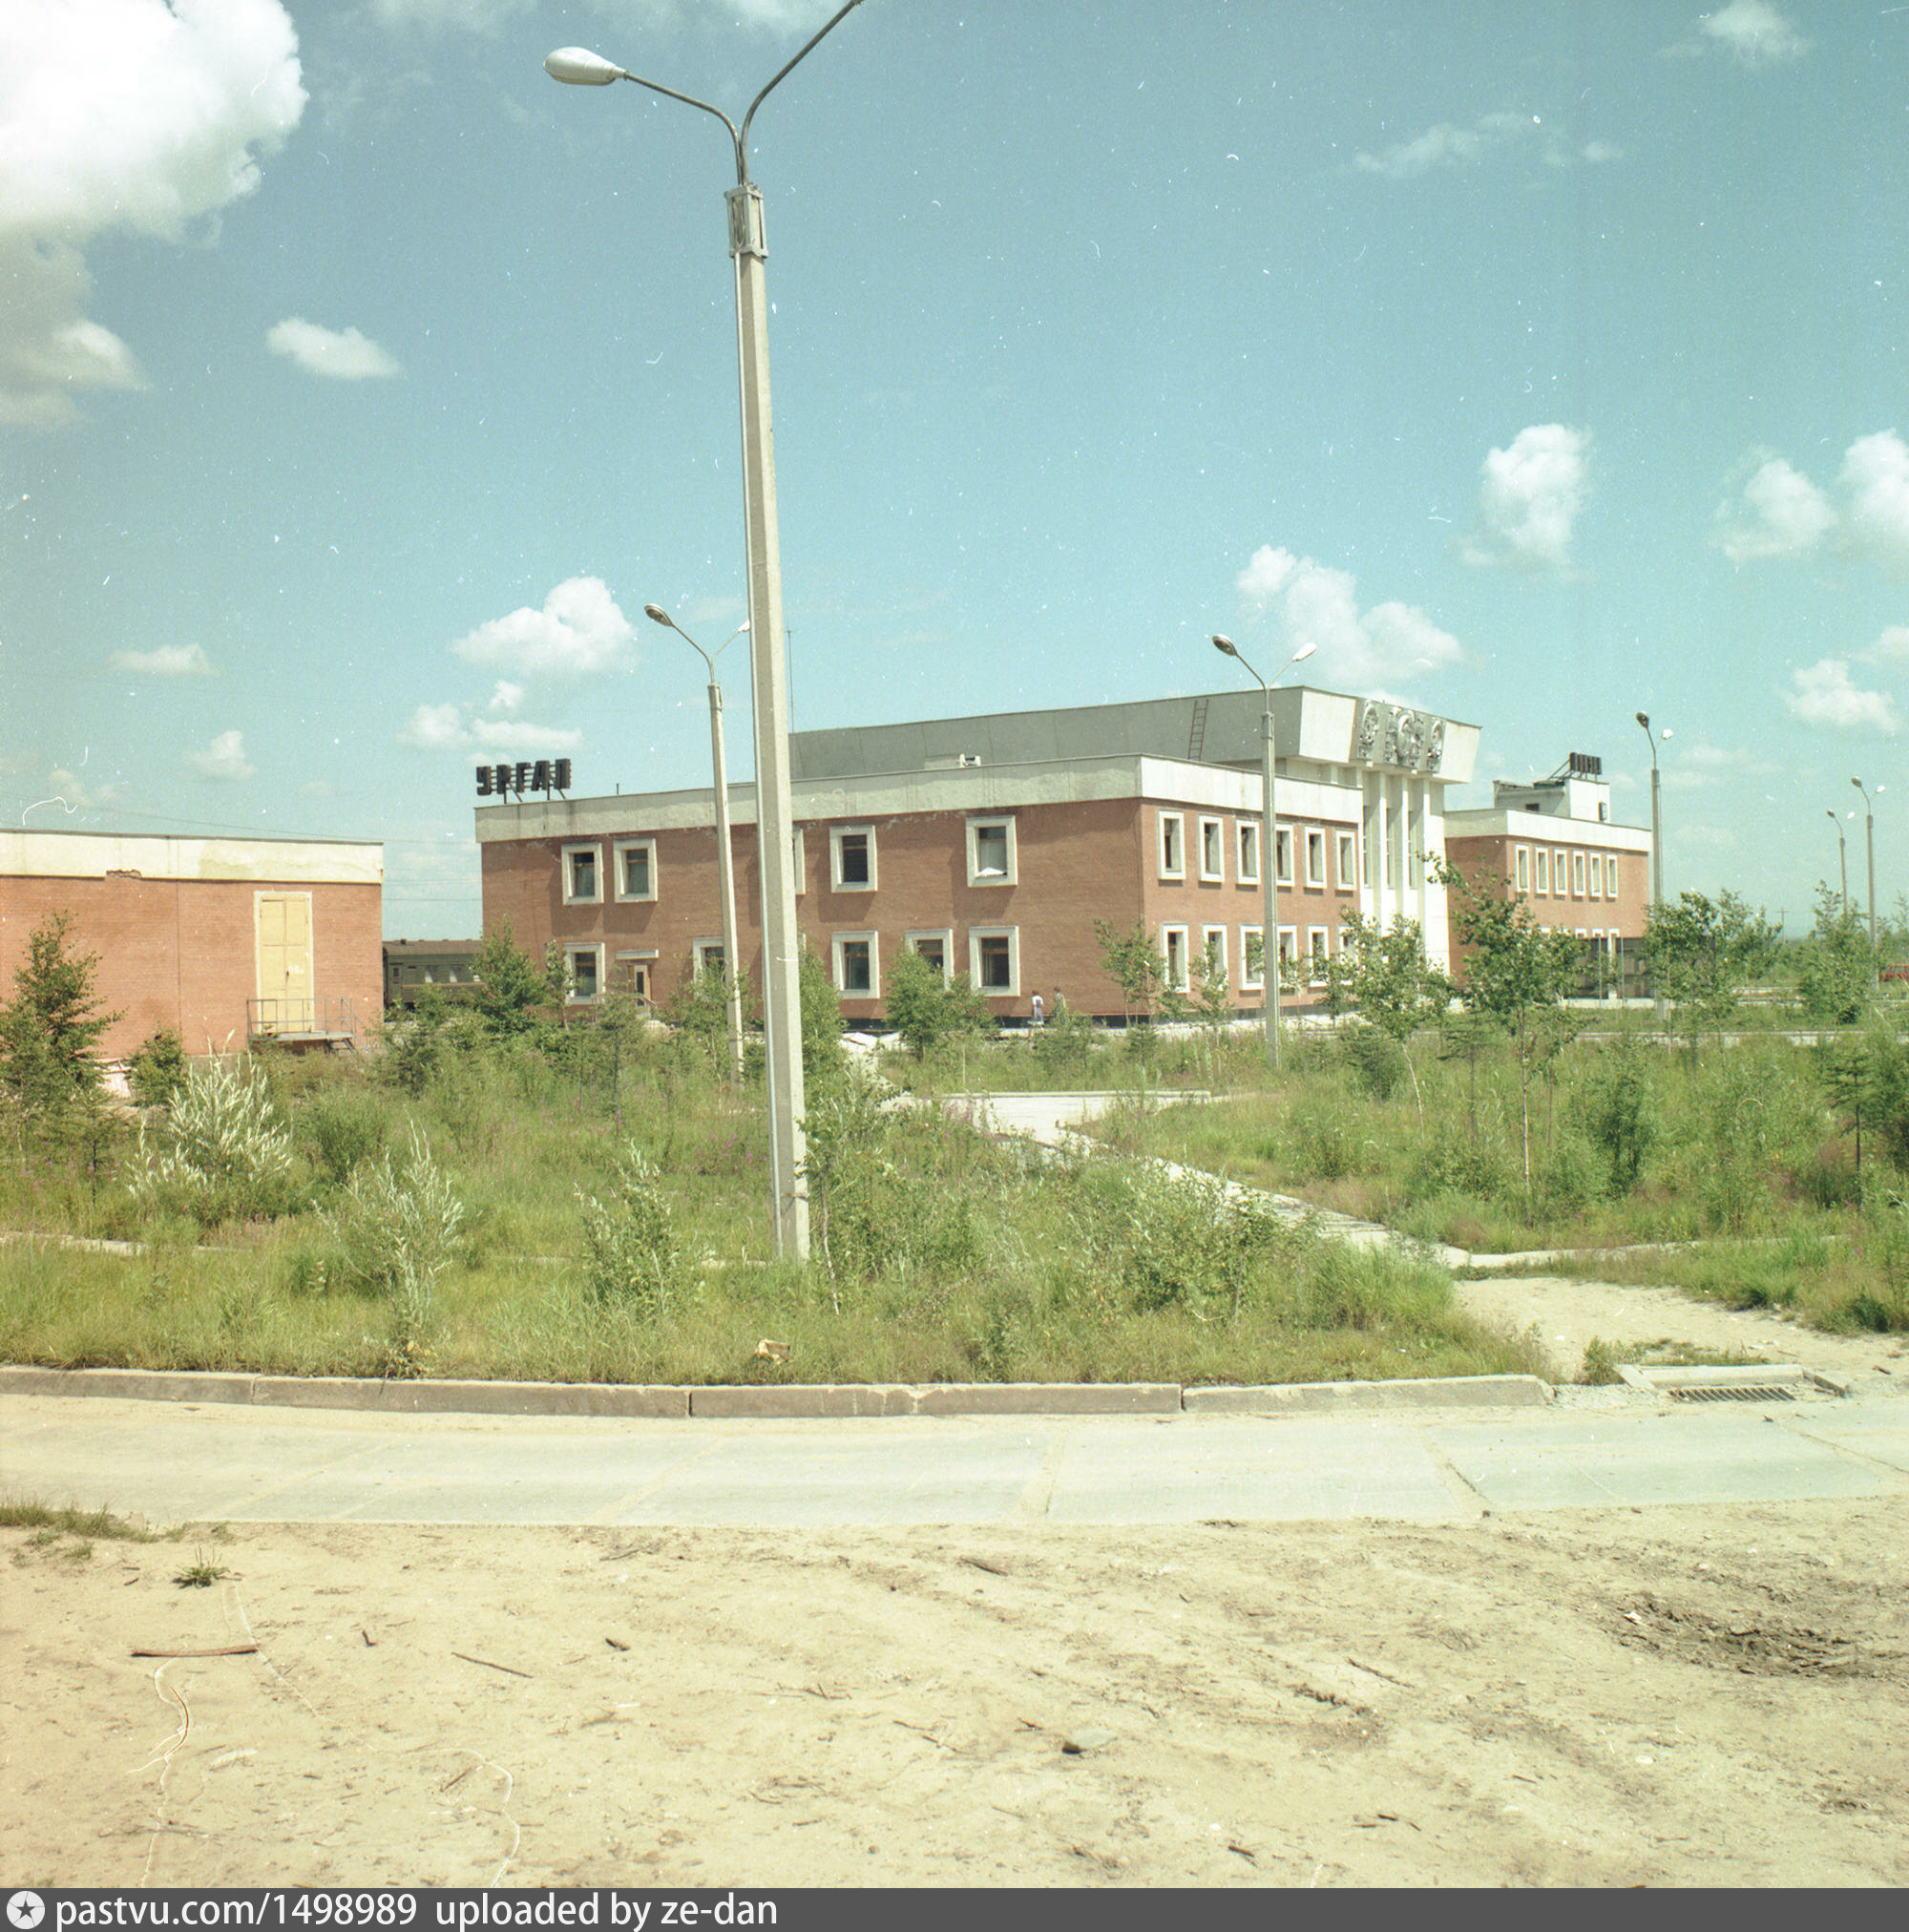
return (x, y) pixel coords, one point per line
(1391, 734)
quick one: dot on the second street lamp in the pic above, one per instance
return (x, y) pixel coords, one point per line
(775, 813)
(1842, 858)
(1268, 837)
(726, 858)
(1869, 829)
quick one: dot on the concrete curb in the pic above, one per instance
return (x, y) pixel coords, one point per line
(769, 1401)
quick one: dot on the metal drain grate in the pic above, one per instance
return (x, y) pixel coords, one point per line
(1753, 1382)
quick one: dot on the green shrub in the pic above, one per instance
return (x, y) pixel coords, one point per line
(155, 1071)
(1376, 1061)
(341, 1129)
(635, 1260)
(226, 1152)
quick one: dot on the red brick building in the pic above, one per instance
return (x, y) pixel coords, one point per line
(225, 940)
(992, 846)
(1553, 845)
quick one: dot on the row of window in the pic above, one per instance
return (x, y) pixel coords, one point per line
(1545, 872)
(992, 861)
(1210, 852)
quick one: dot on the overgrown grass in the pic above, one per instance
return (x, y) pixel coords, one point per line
(939, 1255)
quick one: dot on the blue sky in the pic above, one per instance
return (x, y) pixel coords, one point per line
(1540, 361)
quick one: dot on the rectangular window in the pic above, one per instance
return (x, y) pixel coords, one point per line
(582, 885)
(993, 960)
(1317, 952)
(635, 872)
(1173, 955)
(1172, 846)
(1577, 875)
(798, 853)
(1282, 854)
(852, 852)
(708, 955)
(1521, 858)
(1246, 871)
(584, 964)
(1597, 872)
(1213, 941)
(1560, 880)
(1288, 947)
(934, 947)
(1252, 959)
(1212, 850)
(1348, 862)
(855, 967)
(1543, 887)
(991, 851)
(1316, 857)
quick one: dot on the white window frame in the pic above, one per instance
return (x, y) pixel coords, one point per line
(1213, 845)
(1318, 954)
(1288, 945)
(700, 951)
(946, 935)
(836, 834)
(1004, 823)
(1315, 849)
(620, 866)
(1170, 835)
(1577, 875)
(1349, 861)
(1012, 935)
(1169, 979)
(1560, 879)
(1282, 854)
(572, 953)
(571, 852)
(1250, 980)
(1213, 946)
(837, 958)
(1594, 867)
(1245, 853)
(1521, 868)
(1542, 873)
(799, 856)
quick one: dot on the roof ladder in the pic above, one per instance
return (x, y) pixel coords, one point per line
(1196, 735)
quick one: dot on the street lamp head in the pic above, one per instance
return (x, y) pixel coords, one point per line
(1226, 645)
(579, 67)
(657, 615)
(1643, 719)
(1304, 652)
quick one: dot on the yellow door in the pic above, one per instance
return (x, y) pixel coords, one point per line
(285, 961)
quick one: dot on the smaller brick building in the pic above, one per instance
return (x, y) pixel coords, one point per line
(228, 941)
(1553, 845)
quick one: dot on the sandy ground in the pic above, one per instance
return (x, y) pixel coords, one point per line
(1670, 1697)
(1662, 1697)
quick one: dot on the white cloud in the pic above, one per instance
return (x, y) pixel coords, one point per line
(169, 661)
(1696, 765)
(488, 17)
(75, 794)
(224, 758)
(344, 354)
(1754, 33)
(1318, 605)
(1529, 500)
(1892, 647)
(505, 696)
(578, 630)
(1823, 695)
(1876, 475)
(1780, 513)
(1446, 146)
(447, 728)
(119, 116)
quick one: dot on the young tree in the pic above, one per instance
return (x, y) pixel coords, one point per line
(49, 1029)
(511, 985)
(1134, 965)
(1838, 968)
(924, 1011)
(1702, 953)
(1517, 973)
(1396, 987)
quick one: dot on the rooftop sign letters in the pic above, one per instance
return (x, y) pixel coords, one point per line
(1391, 734)
(543, 774)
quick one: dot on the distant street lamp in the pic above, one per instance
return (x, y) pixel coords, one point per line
(1869, 829)
(1656, 839)
(725, 861)
(775, 812)
(1269, 839)
(1842, 858)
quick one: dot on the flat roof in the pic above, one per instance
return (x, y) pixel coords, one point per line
(56, 855)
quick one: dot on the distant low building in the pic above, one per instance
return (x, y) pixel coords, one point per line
(992, 844)
(227, 941)
(1552, 844)
(411, 965)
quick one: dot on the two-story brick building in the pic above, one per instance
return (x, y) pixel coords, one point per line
(994, 844)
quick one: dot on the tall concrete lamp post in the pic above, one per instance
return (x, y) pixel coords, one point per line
(1268, 837)
(1656, 834)
(726, 858)
(1869, 829)
(781, 1006)
(1842, 858)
